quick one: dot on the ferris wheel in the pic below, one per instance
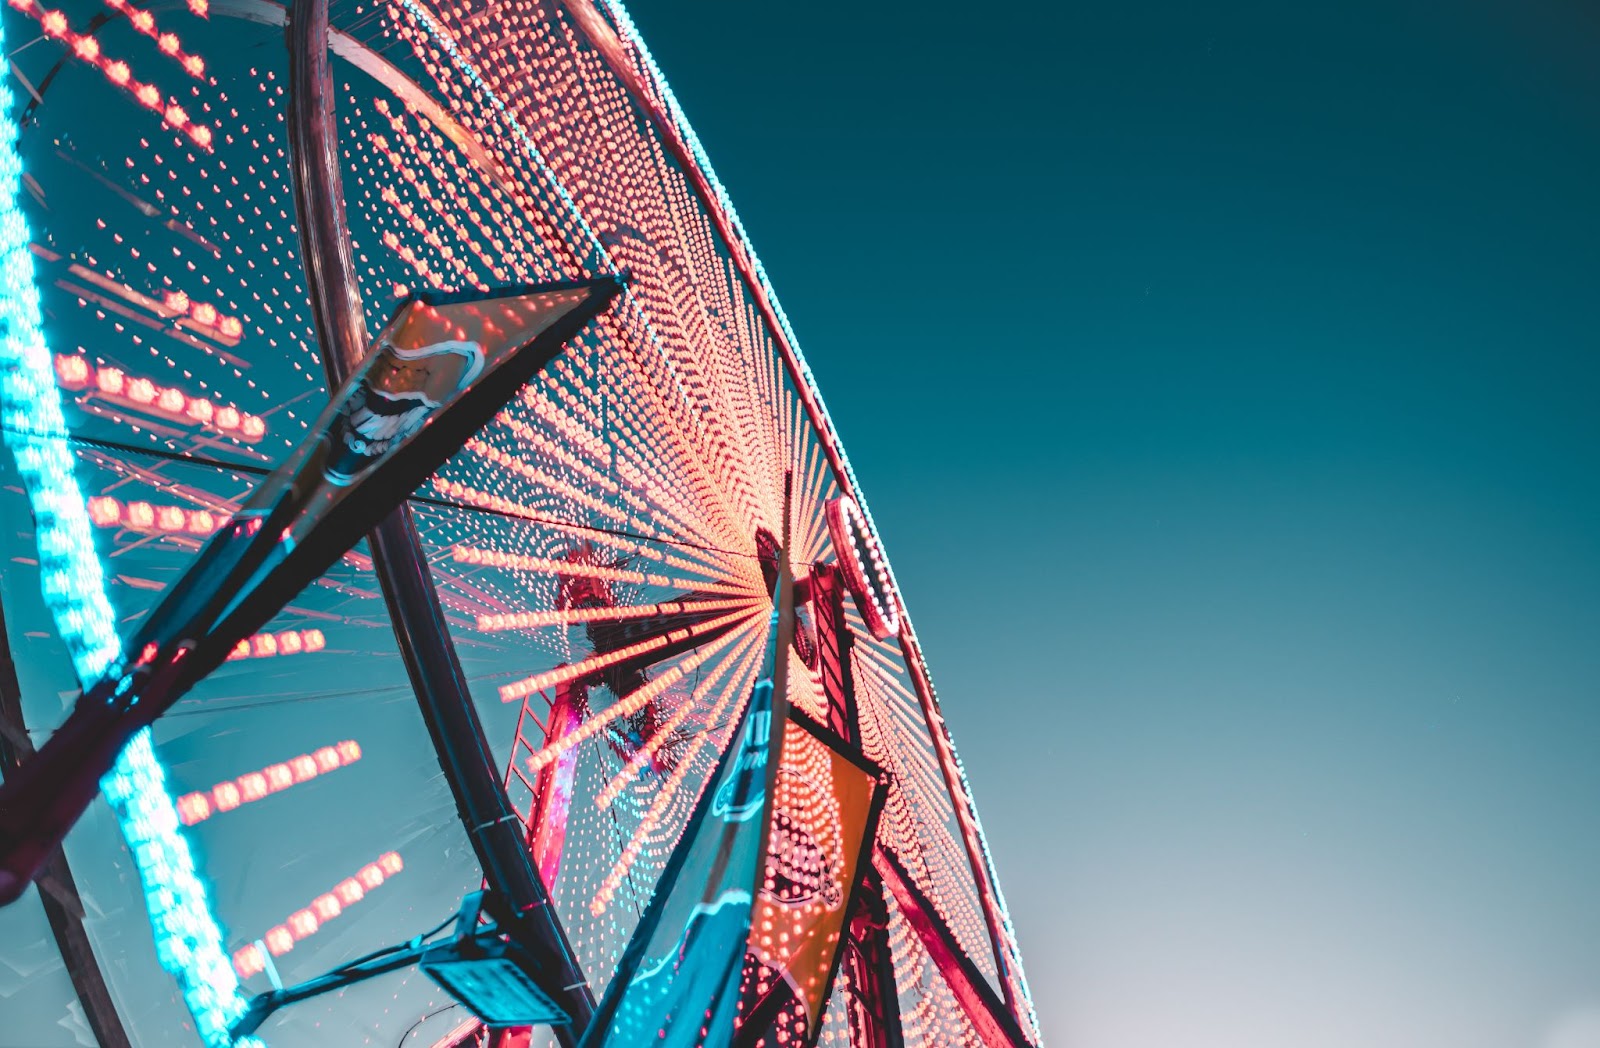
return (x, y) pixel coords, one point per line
(554, 681)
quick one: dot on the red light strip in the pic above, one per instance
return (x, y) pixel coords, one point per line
(498, 504)
(205, 317)
(289, 642)
(865, 570)
(252, 786)
(168, 402)
(524, 620)
(87, 49)
(167, 43)
(302, 924)
(417, 148)
(541, 681)
(726, 708)
(741, 658)
(628, 705)
(558, 484)
(521, 562)
(458, 1036)
(197, 316)
(142, 517)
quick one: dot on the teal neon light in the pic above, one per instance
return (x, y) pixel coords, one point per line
(188, 940)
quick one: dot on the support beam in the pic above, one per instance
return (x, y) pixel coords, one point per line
(982, 1006)
(547, 818)
(873, 1009)
(419, 623)
(834, 645)
(58, 892)
(967, 817)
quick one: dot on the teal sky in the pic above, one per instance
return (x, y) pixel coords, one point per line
(1223, 379)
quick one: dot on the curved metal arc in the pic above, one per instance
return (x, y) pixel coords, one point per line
(403, 574)
(364, 58)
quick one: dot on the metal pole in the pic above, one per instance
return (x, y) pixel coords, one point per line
(402, 568)
(58, 892)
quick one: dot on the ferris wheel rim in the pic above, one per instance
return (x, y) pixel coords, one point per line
(798, 372)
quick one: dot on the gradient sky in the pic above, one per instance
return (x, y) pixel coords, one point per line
(1223, 379)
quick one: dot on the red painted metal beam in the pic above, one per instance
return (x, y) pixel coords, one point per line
(982, 1006)
(547, 831)
(966, 816)
(834, 643)
(874, 1008)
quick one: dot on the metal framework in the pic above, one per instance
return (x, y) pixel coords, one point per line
(398, 558)
(578, 598)
(58, 891)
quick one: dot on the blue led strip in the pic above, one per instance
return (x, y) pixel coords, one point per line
(658, 81)
(188, 939)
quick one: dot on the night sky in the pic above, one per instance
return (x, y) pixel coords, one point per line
(1223, 380)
